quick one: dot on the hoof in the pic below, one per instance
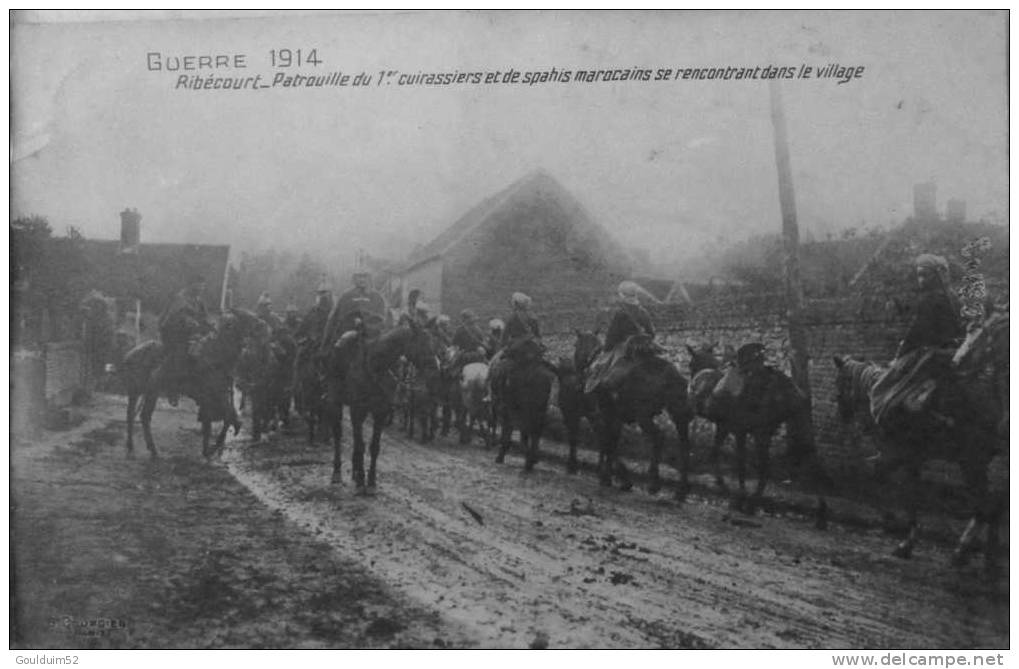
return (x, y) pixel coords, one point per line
(501, 458)
(681, 493)
(605, 481)
(720, 486)
(626, 486)
(655, 487)
(903, 551)
(130, 455)
(572, 467)
(337, 479)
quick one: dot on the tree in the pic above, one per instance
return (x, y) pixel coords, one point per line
(48, 277)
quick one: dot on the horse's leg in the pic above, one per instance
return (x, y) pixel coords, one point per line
(533, 438)
(572, 424)
(651, 431)
(333, 415)
(132, 405)
(911, 489)
(221, 437)
(149, 406)
(507, 433)
(976, 484)
(739, 500)
(357, 416)
(716, 456)
(206, 436)
(683, 436)
(378, 421)
(763, 444)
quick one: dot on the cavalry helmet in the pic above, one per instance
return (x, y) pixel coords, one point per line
(264, 300)
(496, 324)
(323, 287)
(467, 316)
(442, 319)
(291, 308)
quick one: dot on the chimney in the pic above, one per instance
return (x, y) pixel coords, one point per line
(130, 230)
(955, 211)
(925, 198)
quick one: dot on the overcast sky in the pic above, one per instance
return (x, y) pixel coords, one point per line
(665, 166)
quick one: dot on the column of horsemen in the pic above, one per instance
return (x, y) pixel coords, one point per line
(294, 342)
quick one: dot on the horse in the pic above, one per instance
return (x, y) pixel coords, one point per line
(520, 400)
(652, 386)
(361, 376)
(574, 403)
(758, 413)
(968, 432)
(264, 372)
(473, 388)
(308, 387)
(209, 383)
(705, 373)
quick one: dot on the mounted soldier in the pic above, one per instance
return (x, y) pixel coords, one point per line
(521, 341)
(922, 363)
(359, 311)
(263, 309)
(493, 342)
(309, 332)
(441, 330)
(290, 318)
(184, 321)
(630, 334)
(469, 342)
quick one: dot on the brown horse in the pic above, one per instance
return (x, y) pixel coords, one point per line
(308, 386)
(974, 432)
(520, 401)
(574, 403)
(653, 386)
(362, 376)
(705, 373)
(146, 376)
(757, 407)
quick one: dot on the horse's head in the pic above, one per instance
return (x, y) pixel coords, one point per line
(417, 345)
(587, 347)
(702, 358)
(238, 324)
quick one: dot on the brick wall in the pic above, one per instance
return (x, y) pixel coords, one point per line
(860, 327)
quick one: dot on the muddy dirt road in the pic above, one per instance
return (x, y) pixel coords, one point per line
(480, 554)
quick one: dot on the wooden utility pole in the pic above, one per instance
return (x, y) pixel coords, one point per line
(791, 238)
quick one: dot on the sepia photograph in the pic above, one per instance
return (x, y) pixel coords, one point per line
(631, 330)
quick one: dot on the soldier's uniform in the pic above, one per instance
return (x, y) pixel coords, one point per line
(312, 326)
(521, 337)
(628, 319)
(360, 303)
(922, 364)
(183, 321)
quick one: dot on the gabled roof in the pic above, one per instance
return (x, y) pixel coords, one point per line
(154, 273)
(535, 184)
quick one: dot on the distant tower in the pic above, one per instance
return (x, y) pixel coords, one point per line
(130, 230)
(925, 199)
(955, 211)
